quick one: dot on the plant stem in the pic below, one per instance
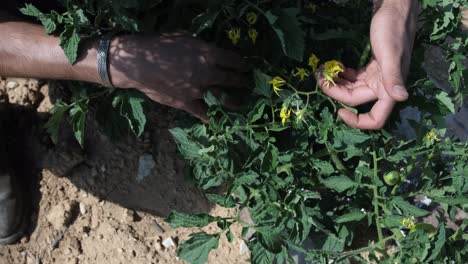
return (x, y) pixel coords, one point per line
(375, 199)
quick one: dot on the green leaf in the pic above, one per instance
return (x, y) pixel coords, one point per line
(69, 41)
(344, 136)
(408, 208)
(224, 201)
(259, 254)
(439, 243)
(323, 167)
(462, 200)
(446, 101)
(339, 183)
(286, 25)
(350, 217)
(262, 84)
(132, 109)
(31, 10)
(205, 20)
(78, 113)
(53, 124)
(196, 249)
(390, 221)
(187, 147)
(46, 20)
(272, 241)
(176, 219)
(229, 236)
(333, 243)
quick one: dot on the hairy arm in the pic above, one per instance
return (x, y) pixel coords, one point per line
(27, 51)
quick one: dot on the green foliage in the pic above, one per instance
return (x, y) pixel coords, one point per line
(305, 175)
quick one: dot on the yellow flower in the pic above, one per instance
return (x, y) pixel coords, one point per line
(285, 113)
(408, 223)
(251, 18)
(301, 72)
(277, 82)
(313, 62)
(431, 137)
(253, 34)
(234, 35)
(331, 70)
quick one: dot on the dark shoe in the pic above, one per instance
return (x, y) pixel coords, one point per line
(13, 217)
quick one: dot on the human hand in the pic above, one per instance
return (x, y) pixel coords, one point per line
(392, 33)
(176, 70)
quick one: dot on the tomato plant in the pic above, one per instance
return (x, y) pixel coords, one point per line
(285, 157)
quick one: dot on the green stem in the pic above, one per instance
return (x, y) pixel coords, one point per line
(375, 199)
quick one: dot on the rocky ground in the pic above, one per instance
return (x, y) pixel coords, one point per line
(104, 204)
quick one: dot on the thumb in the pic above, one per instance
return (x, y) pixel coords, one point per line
(394, 82)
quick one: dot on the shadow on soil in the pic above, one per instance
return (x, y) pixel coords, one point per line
(102, 168)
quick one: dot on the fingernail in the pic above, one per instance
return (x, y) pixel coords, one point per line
(400, 91)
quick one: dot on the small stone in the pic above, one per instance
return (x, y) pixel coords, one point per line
(243, 248)
(145, 166)
(120, 250)
(83, 208)
(128, 216)
(11, 85)
(168, 243)
(103, 168)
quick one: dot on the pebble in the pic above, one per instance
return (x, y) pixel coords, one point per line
(83, 208)
(168, 243)
(243, 248)
(128, 216)
(146, 165)
(11, 85)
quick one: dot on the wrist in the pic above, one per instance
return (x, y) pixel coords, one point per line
(118, 69)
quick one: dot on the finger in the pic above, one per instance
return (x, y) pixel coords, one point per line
(393, 80)
(225, 78)
(352, 97)
(349, 74)
(373, 120)
(198, 109)
(228, 59)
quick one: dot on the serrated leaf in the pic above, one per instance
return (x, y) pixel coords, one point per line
(136, 114)
(222, 200)
(176, 219)
(260, 255)
(390, 221)
(323, 167)
(197, 248)
(286, 25)
(53, 124)
(69, 41)
(31, 10)
(46, 20)
(78, 113)
(451, 200)
(439, 243)
(408, 208)
(339, 183)
(446, 101)
(350, 217)
(205, 20)
(187, 147)
(262, 85)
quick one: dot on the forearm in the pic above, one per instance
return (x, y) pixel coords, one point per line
(27, 51)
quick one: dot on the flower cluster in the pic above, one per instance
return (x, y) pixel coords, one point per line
(331, 70)
(234, 34)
